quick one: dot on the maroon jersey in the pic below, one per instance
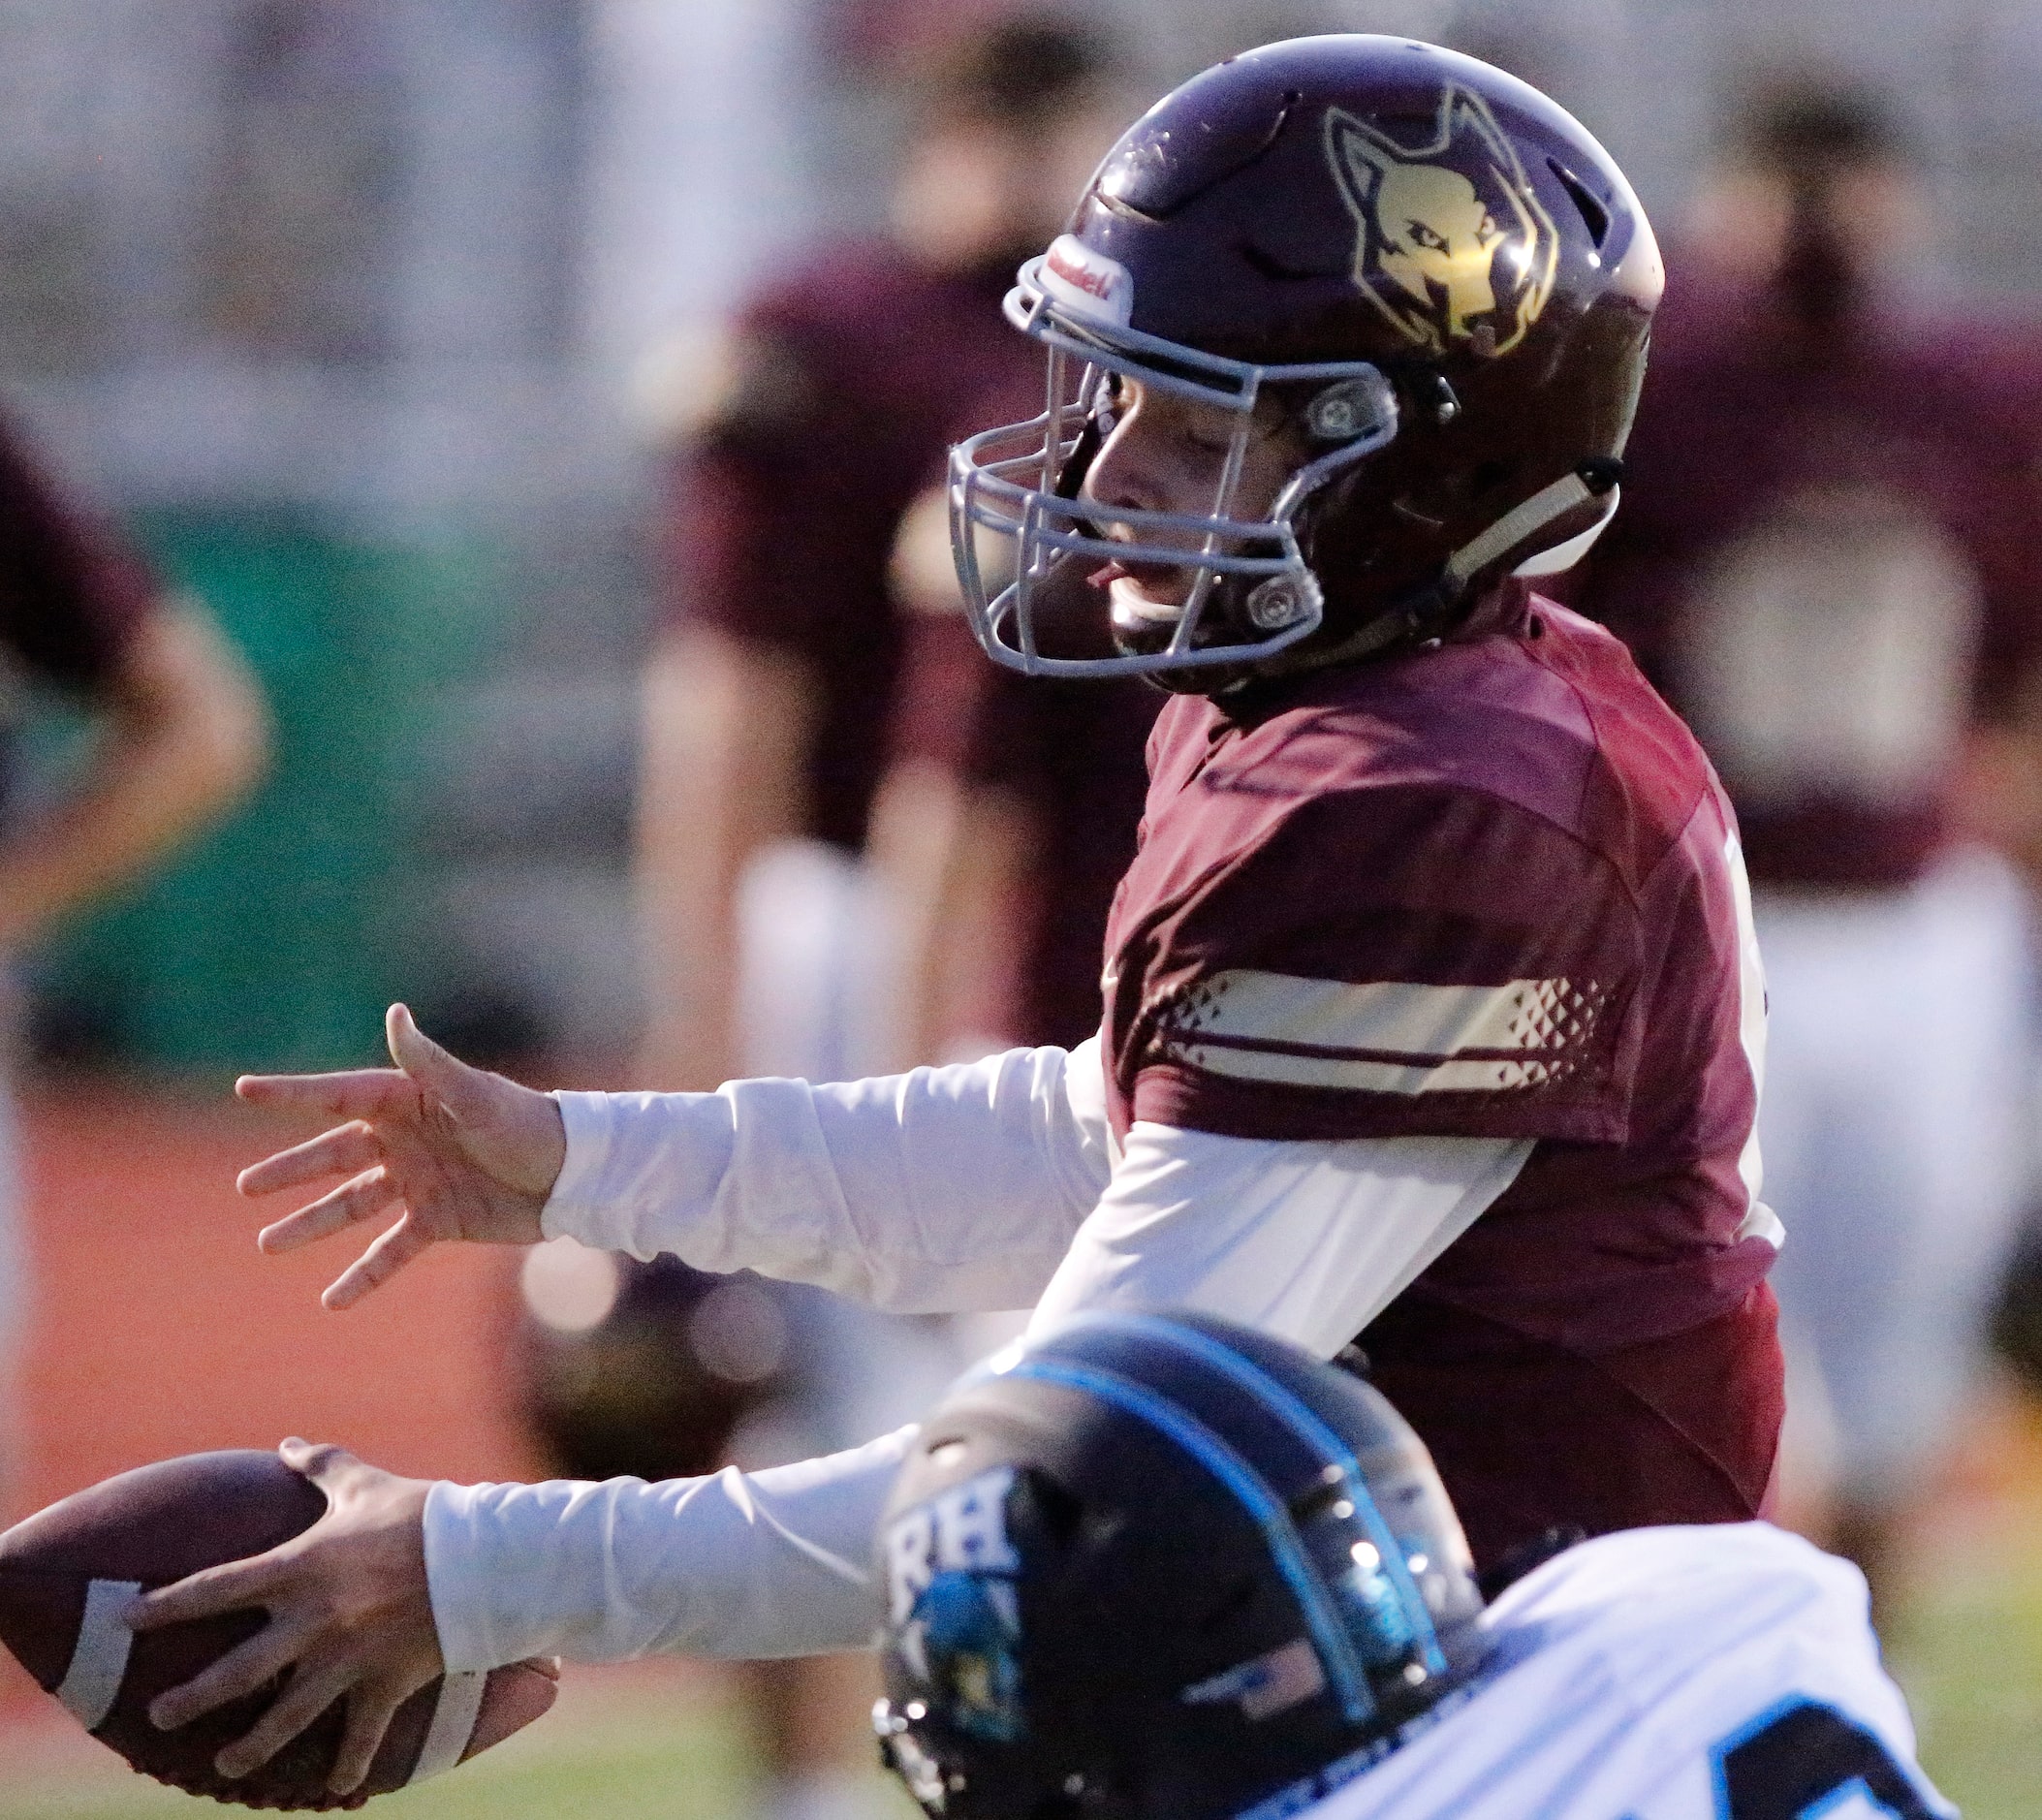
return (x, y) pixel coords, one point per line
(70, 593)
(843, 386)
(1823, 560)
(1489, 889)
(1070, 753)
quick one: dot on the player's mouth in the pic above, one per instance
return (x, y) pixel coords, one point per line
(1149, 592)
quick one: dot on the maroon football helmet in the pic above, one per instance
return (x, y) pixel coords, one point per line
(1426, 275)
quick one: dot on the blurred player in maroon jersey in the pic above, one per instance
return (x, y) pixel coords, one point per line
(181, 733)
(1005, 822)
(1432, 1012)
(766, 699)
(1825, 560)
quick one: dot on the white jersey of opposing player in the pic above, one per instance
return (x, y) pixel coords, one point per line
(1714, 1673)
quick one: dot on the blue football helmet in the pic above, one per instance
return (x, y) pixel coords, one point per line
(1163, 1567)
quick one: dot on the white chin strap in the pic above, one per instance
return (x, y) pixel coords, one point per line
(1563, 557)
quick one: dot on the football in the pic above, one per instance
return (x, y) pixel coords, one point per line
(67, 1572)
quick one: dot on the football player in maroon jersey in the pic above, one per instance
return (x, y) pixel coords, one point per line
(1432, 1009)
(834, 394)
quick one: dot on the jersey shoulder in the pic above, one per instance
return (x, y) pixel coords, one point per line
(1744, 1650)
(73, 592)
(1547, 719)
(837, 286)
(1653, 1585)
(800, 355)
(1671, 1674)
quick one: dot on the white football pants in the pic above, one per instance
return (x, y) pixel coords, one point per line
(815, 991)
(1895, 1127)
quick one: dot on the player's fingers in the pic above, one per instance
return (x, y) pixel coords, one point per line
(231, 1586)
(464, 1091)
(369, 1193)
(392, 1251)
(231, 1677)
(319, 1462)
(350, 1093)
(368, 1717)
(340, 1151)
(307, 1694)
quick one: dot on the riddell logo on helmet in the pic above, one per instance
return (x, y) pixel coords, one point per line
(1455, 249)
(1089, 282)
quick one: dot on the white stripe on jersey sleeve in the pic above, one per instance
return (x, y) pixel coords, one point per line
(1388, 1036)
(1358, 1076)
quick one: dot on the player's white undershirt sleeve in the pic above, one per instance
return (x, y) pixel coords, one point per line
(943, 1190)
(736, 1564)
(994, 1186)
(1307, 1241)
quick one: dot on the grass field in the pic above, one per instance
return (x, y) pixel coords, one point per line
(1971, 1663)
(158, 1331)
(619, 1746)
(636, 1759)
(1975, 1679)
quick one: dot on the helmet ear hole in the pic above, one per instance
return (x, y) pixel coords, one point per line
(1350, 408)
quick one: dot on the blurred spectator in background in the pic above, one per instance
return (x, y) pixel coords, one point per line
(1824, 559)
(801, 439)
(177, 733)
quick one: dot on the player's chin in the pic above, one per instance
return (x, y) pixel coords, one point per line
(1144, 617)
(1144, 621)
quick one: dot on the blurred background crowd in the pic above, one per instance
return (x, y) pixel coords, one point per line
(468, 533)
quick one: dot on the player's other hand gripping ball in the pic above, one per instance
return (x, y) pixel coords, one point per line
(67, 1573)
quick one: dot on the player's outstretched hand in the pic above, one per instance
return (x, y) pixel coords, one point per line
(349, 1615)
(458, 1152)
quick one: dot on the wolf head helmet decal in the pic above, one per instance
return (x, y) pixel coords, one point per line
(1455, 249)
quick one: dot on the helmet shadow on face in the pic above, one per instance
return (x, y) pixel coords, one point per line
(1169, 485)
